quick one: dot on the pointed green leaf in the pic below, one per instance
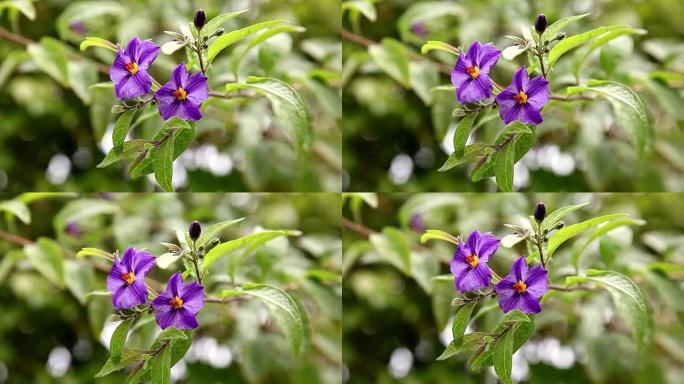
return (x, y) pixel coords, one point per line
(571, 231)
(575, 41)
(504, 162)
(47, 258)
(214, 230)
(118, 340)
(123, 123)
(163, 163)
(212, 25)
(435, 234)
(558, 214)
(462, 132)
(18, 209)
(160, 367)
(557, 27)
(227, 39)
(393, 247)
(393, 58)
(502, 350)
(461, 321)
(251, 240)
(98, 42)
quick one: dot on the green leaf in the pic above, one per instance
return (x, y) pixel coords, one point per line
(628, 298)
(571, 231)
(123, 123)
(289, 107)
(115, 364)
(435, 234)
(510, 53)
(171, 333)
(462, 132)
(503, 167)
(461, 321)
(629, 110)
(469, 344)
(11, 62)
(163, 163)
(84, 11)
(214, 230)
(363, 7)
(17, 209)
(432, 45)
(260, 38)
(118, 340)
(601, 41)
(51, 57)
(82, 75)
(291, 317)
(502, 350)
(80, 279)
(212, 25)
(575, 41)
(129, 152)
(558, 214)
(227, 39)
(392, 245)
(516, 128)
(393, 58)
(24, 6)
(514, 316)
(600, 231)
(102, 98)
(471, 153)
(424, 76)
(252, 240)
(82, 209)
(557, 27)
(427, 12)
(160, 367)
(46, 257)
(98, 42)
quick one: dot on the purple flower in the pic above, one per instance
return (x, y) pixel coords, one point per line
(183, 94)
(523, 99)
(129, 71)
(417, 223)
(470, 76)
(522, 288)
(179, 304)
(126, 279)
(469, 265)
(418, 28)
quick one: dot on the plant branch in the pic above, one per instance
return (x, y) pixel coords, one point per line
(356, 227)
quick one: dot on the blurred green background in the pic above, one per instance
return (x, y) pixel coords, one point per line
(52, 335)
(395, 326)
(393, 141)
(50, 140)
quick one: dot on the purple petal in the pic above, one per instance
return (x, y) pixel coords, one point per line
(519, 269)
(489, 56)
(118, 72)
(531, 115)
(175, 285)
(530, 304)
(472, 242)
(162, 302)
(475, 90)
(188, 319)
(189, 111)
(129, 296)
(133, 86)
(511, 113)
(520, 79)
(537, 92)
(459, 74)
(537, 281)
(132, 48)
(197, 88)
(487, 246)
(509, 300)
(115, 279)
(471, 279)
(144, 262)
(168, 319)
(193, 297)
(147, 52)
(179, 76)
(458, 262)
(473, 53)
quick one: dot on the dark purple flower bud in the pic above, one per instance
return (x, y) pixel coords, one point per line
(126, 279)
(417, 223)
(178, 305)
(469, 264)
(540, 212)
(522, 288)
(540, 23)
(523, 99)
(183, 95)
(195, 230)
(200, 19)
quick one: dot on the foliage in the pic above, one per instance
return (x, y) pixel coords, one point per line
(274, 94)
(608, 126)
(606, 317)
(272, 308)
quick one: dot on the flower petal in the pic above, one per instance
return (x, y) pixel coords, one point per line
(537, 281)
(132, 48)
(458, 262)
(472, 242)
(118, 72)
(530, 304)
(520, 79)
(459, 75)
(197, 88)
(168, 319)
(509, 301)
(115, 279)
(473, 53)
(519, 269)
(487, 246)
(179, 76)
(475, 90)
(147, 52)
(133, 86)
(512, 112)
(188, 319)
(531, 115)
(484, 273)
(129, 296)
(143, 263)
(488, 58)
(189, 111)
(175, 285)
(469, 280)
(193, 297)
(537, 92)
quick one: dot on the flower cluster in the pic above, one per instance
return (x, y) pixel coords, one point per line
(181, 96)
(521, 289)
(177, 306)
(522, 100)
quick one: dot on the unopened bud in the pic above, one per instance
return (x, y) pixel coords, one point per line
(540, 23)
(200, 19)
(540, 212)
(195, 230)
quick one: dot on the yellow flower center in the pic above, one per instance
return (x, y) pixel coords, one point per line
(520, 286)
(177, 302)
(473, 71)
(132, 67)
(473, 260)
(180, 93)
(129, 277)
(520, 98)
